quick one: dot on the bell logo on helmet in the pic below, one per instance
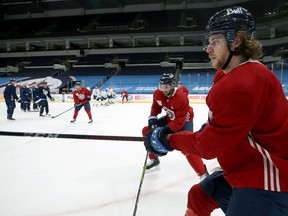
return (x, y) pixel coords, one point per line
(234, 11)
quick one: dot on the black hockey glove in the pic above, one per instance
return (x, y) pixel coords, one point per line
(88, 98)
(152, 122)
(52, 99)
(155, 141)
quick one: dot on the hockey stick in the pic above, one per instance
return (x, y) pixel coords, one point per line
(72, 136)
(140, 185)
(38, 101)
(63, 112)
(67, 110)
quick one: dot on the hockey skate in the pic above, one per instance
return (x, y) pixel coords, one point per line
(153, 165)
(9, 117)
(90, 121)
(73, 120)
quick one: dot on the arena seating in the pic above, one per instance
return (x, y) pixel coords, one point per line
(137, 79)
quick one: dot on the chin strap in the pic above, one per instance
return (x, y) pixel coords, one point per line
(228, 59)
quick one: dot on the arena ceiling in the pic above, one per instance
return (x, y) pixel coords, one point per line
(271, 16)
(45, 8)
(12, 7)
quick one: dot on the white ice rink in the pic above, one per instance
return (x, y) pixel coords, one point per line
(70, 177)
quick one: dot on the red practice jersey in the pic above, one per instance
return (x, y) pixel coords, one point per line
(81, 96)
(184, 90)
(176, 107)
(124, 93)
(248, 128)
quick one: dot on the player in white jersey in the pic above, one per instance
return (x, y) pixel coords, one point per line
(103, 98)
(110, 95)
(96, 96)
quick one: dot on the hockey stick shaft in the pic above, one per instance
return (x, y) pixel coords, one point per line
(37, 101)
(140, 185)
(67, 110)
(63, 112)
(72, 136)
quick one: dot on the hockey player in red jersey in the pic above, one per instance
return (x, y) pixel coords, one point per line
(247, 130)
(179, 117)
(124, 95)
(81, 97)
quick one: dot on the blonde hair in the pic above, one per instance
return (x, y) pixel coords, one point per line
(250, 47)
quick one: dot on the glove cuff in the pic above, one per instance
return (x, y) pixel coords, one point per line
(158, 140)
(163, 137)
(156, 143)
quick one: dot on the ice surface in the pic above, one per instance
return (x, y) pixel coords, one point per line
(70, 177)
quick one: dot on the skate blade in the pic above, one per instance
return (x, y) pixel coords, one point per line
(153, 169)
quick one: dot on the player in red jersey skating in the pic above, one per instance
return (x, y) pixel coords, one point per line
(179, 117)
